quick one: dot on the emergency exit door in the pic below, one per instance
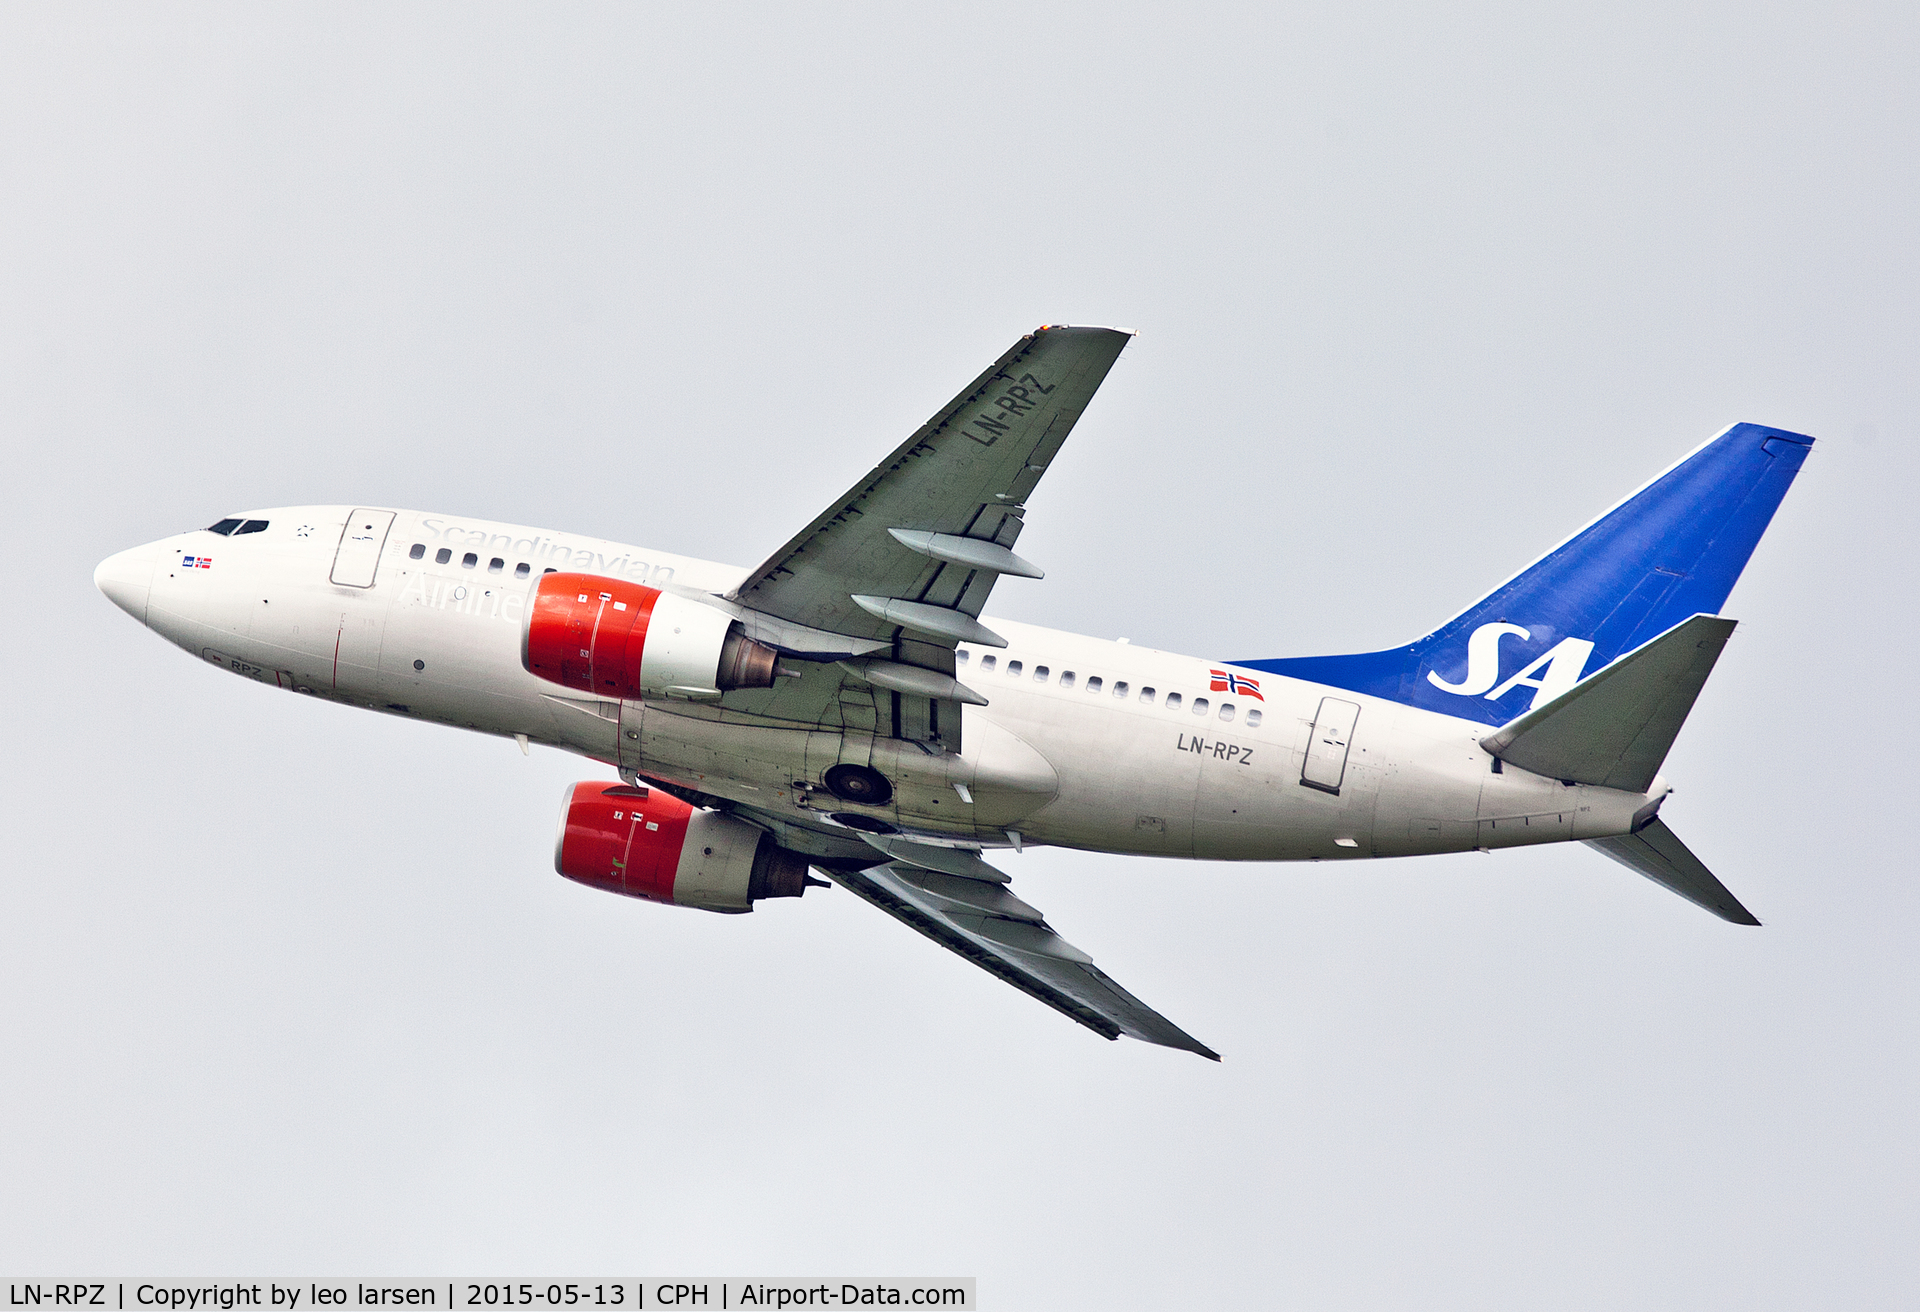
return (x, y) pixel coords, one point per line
(1326, 763)
(361, 540)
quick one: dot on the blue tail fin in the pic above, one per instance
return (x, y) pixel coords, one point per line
(1671, 550)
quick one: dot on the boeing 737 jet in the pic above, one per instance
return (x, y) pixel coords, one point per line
(842, 709)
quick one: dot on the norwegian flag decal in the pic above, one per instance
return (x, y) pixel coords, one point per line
(1226, 681)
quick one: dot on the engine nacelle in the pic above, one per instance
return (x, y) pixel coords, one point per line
(642, 842)
(620, 640)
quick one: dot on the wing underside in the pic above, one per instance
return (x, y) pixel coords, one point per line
(982, 921)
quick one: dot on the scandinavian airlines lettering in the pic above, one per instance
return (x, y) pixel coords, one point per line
(1549, 675)
(548, 551)
(440, 592)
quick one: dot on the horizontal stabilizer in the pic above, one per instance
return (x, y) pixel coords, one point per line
(1657, 852)
(1615, 728)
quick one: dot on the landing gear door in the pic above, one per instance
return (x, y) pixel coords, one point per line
(1326, 763)
(361, 540)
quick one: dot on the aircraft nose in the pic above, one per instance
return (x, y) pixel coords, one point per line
(126, 577)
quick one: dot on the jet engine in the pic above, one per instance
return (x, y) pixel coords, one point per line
(642, 842)
(621, 640)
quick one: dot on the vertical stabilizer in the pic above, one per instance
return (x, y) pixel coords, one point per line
(1669, 551)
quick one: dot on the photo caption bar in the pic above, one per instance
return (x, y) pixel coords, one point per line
(627, 1294)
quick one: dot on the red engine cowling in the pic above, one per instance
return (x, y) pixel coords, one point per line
(620, 639)
(642, 842)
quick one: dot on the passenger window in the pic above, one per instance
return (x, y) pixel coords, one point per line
(443, 555)
(521, 570)
(549, 570)
(1226, 712)
(251, 526)
(469, 560)
(1094, 683)
(419, 550)
(1120, 688)
(495, 565)
(1199, 705)
(1146, 695)
(224, 527)
(988, 662)
(1014, 668)
(1040, 673)
(1066, 678)
(962, 655)
(1253, 719)
(1173, 701)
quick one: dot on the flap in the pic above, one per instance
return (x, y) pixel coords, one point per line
(963, 862)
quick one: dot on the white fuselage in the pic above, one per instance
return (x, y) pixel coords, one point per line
(1080, 746)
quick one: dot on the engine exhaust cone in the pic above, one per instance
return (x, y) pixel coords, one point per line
(745, 663)
(778, 873)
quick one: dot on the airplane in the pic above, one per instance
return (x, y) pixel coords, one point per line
(843, 709)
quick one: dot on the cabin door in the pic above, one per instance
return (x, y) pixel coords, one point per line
(361, 540)
(1326, 763)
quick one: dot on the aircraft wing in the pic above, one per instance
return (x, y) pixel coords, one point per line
(918, 543)
(894, 573)
(966, 907)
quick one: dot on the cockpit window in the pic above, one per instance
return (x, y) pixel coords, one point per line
(225, 527)
(251, 526)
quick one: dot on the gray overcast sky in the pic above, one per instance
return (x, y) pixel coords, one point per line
(288, 989)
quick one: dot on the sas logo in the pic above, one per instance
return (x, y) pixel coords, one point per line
(1226, 681)
(196, 562)
(1549, 675)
